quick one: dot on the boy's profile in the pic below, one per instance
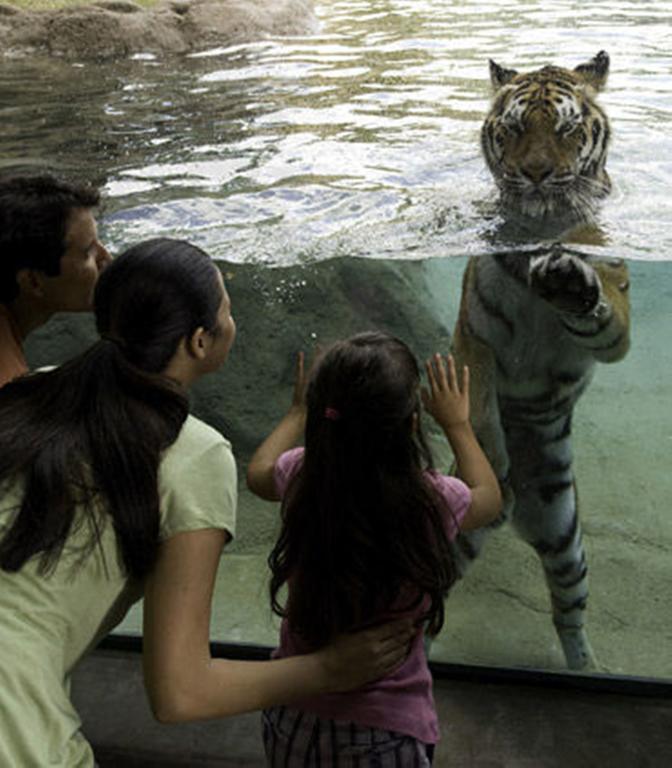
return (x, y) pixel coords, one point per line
(50, 258)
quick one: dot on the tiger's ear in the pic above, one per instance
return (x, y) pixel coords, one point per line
(500, 76)
(595, 71)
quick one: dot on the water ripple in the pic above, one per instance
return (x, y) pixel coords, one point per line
(361, 140)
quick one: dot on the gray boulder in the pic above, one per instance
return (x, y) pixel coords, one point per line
(116, 28)
(281, 311)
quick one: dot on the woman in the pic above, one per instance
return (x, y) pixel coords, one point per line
(108, 489)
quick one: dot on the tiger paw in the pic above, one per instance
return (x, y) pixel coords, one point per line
(577, 649)
(566, 281)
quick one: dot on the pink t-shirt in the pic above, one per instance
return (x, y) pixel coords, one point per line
(403, 701)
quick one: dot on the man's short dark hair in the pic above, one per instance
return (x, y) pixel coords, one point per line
(34, 211)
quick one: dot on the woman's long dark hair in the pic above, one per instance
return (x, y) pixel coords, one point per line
(362, 530)
(90, 433)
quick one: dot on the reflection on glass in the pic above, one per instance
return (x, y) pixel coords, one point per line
(286, 171)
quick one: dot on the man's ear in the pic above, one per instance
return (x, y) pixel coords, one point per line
(197, 344)
(30, 282)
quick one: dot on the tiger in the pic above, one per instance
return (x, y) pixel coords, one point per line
(545, 139)
(533, 322)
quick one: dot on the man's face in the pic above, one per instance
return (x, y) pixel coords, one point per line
(81, 263)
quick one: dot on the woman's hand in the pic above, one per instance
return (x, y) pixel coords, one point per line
(444, 400)
(354, 659)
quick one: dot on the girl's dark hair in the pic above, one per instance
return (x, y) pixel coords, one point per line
(90, 433)
(362, 530)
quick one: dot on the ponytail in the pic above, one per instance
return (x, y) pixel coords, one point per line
(93, 428)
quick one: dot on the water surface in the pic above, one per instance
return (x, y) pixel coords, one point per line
(360, 141)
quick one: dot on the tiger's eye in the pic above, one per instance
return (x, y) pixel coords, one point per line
(568, 128)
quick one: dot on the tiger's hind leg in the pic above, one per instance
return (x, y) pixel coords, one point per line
(546, 516)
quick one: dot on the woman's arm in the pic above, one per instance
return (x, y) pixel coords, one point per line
(260, 470)
(449, 406)
(184, 682)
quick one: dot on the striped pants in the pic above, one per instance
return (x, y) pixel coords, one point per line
(295, 739)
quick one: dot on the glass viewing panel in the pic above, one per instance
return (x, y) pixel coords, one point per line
(339, 183)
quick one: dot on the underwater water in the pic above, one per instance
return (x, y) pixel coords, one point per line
(339, 181)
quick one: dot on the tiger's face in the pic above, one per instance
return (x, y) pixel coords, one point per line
(545, 139)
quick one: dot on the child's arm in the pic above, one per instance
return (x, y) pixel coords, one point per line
(449, 406)
(260, 471)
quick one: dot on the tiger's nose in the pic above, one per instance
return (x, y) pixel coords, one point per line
(537, 172)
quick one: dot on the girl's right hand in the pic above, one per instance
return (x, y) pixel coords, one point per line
(357, 658)
(444, 400)
(300, 382)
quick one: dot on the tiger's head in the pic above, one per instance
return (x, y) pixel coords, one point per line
(545, 139)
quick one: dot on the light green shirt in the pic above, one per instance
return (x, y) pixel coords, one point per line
(47, 623)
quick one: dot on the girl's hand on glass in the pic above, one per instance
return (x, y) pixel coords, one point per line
(445, 401)
(357, 658)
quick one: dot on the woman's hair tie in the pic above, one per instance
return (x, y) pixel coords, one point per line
(332, 414)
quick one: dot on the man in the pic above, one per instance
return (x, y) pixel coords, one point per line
(50, 258)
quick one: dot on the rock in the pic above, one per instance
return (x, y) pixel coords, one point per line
(118, 6)
(9, 10)
(115, 28)
(279, 312)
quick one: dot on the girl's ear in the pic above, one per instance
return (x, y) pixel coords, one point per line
(197, 344)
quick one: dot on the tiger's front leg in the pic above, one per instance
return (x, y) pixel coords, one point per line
(591, 299)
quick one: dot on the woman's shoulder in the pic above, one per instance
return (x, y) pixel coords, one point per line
(194, 439)
(197, 481)
(195, 430)
(197, 448)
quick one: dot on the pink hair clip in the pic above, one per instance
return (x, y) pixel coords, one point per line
(332, 414)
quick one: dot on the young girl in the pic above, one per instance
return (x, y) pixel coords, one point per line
(108, 488)
(365, 534)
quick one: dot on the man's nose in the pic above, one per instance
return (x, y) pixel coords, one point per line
(103, 258)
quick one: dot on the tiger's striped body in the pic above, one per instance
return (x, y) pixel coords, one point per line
(532, 324)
